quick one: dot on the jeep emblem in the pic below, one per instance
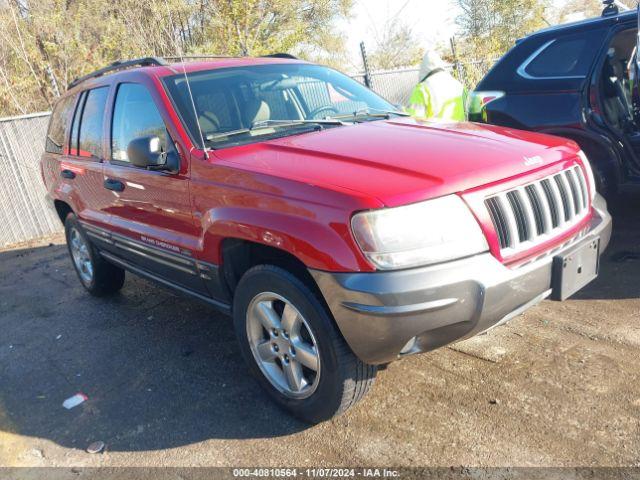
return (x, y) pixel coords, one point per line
(531, 161)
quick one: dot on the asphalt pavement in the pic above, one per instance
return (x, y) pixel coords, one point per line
(165, 384)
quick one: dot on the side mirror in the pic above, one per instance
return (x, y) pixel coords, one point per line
(147, 152)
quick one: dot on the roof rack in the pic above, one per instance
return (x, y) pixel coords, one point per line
(610, 8)
(280, 55)
(119, 65)
(158, 62)
(204, 57)
(195, 57)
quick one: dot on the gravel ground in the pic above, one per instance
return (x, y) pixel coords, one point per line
(166, 385)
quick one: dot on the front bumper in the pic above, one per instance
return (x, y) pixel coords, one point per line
(386, 315)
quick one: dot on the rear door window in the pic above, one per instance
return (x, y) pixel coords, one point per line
(59, 125)
(561, 58)
(75, 126)
(91, 123)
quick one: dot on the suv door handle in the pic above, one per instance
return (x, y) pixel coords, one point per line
(68, 174)
(115, 185)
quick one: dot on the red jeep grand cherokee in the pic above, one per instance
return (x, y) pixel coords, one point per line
(339, 234)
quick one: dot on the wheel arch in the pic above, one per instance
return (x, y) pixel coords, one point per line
(240, 255)
(319, 239)
(62, 209)
(599, 149)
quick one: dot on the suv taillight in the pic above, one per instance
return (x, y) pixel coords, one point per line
(477, 104)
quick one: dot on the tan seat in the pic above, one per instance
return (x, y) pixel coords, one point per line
(256, 111)
(209, 122)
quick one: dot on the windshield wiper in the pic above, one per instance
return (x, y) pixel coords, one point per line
(266, 124)
(371, 113)
(285, 123)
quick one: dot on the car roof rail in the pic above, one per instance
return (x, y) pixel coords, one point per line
(280, 55)
(196, 57)
(610, 8)
(158, 62)
(204, 57)
(120, 65)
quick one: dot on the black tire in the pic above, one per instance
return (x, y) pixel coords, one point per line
(603, 172)
(603, 181)
(343, 379)
(106, 278)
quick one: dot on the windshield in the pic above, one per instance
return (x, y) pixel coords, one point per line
(253, 103)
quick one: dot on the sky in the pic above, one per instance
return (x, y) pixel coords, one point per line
(433, 21)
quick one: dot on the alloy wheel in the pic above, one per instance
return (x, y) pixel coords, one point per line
(80, 255)
(283, 345)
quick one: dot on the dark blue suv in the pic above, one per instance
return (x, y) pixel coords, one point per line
(578, 81)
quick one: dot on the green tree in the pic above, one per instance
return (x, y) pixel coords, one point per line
(46, 44)
(256, 27)
(490, 27)
(575, 9)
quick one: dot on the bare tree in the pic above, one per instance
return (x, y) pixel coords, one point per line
(397, 44)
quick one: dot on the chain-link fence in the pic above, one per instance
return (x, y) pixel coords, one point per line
(393, 85)
(25, 215)
(24, 212)
(397, 85)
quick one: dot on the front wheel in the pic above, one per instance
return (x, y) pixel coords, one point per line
(292, 346)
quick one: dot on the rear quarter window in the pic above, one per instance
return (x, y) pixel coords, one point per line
(564, 57)
(563, 64)
(59, 124)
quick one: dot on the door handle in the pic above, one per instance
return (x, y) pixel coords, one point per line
(68, 174)
(115, 185)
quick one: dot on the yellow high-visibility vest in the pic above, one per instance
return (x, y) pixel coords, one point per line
(438, 97)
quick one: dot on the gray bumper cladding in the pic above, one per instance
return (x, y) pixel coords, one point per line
(385, 315)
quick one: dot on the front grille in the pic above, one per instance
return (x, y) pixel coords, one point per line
(531, 214)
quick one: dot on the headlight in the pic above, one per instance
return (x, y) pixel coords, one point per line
(418, 234)
(590, 177)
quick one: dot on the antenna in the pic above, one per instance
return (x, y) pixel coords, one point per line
(186, 78)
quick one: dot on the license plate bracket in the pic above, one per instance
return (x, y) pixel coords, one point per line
(575, 269)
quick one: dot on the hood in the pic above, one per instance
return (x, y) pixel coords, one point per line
(403, 161)
(430, 62)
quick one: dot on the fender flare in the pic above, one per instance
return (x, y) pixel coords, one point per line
(318, 245)
(66, 195)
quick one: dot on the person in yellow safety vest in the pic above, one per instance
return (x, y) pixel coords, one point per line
(438, 96)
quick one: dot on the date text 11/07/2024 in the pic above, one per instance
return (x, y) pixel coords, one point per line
(316, 472)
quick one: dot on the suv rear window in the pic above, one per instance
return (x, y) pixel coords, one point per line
(59, 125)
(565, 57)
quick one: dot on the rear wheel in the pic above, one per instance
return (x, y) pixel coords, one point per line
(603, 171)
(97, 276)
(603, 181)
(293, 348)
